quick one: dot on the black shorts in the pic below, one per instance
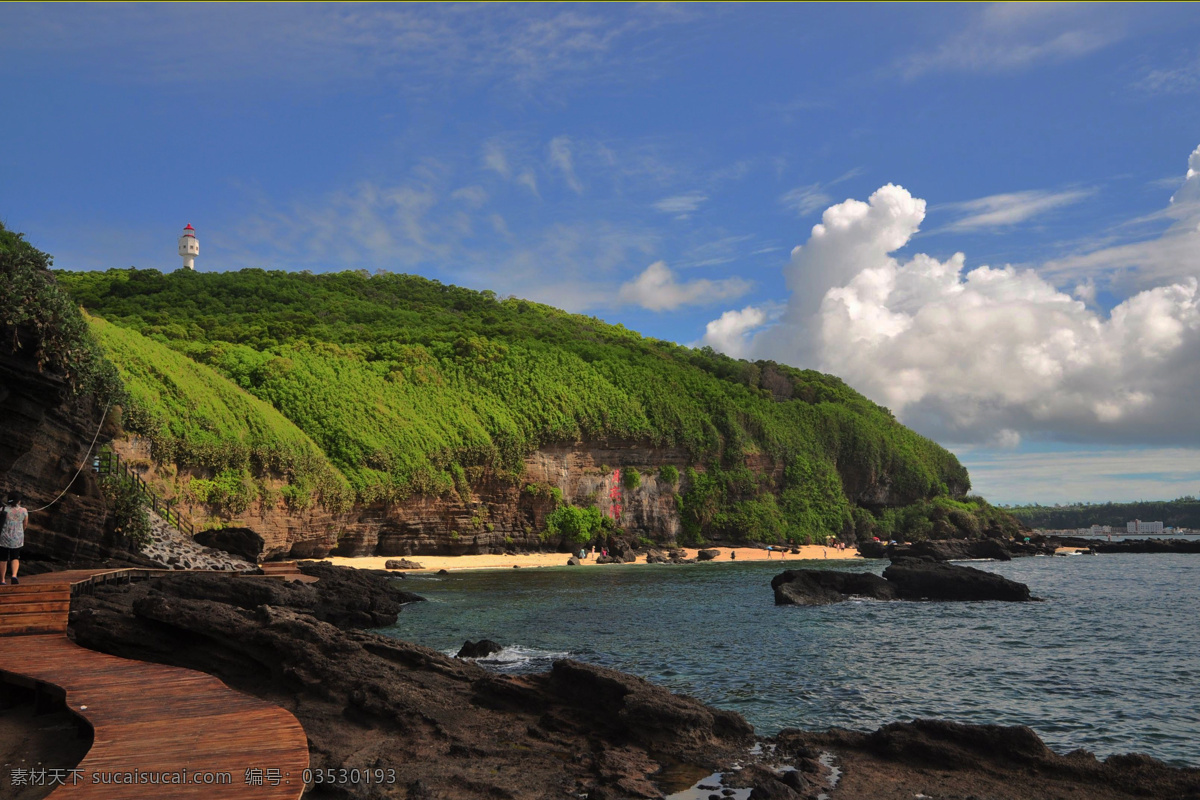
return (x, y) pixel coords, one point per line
(10, 553)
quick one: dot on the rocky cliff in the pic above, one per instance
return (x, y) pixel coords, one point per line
(44, 437)
(496, 515)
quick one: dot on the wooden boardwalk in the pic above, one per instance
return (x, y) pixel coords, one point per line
(158, 731)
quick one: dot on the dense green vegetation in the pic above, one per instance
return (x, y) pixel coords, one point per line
(195, 417)
(1183, 512)
(36, 314)
(403, 384)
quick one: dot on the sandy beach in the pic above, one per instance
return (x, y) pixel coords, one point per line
(454, 563)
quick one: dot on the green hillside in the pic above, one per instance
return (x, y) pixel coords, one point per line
(408, 385)
(194, 416)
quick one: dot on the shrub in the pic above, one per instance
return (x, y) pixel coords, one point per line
(669, 475)
(126, 510)
(576, 525)
(631, 479)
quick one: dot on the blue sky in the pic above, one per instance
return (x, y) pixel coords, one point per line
(657, 165)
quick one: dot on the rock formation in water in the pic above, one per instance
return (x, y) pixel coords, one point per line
(907, 579)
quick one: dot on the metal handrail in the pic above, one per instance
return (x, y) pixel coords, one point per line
(109, 462)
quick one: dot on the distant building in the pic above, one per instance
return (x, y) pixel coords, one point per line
(1137, 526)
(189, 247)
(1100, 530)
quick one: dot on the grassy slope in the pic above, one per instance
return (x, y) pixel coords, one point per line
(407, 384)
(197, 417)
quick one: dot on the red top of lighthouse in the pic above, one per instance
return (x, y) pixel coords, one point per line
(189, 231)
(188, 227)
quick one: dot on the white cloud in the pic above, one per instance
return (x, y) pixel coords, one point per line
(681, 205)
(529, 181)
(1011, 36)
(985, 354)
(804, 200)
(1000, 210)
(732, 333)
(1178, 80)
(560, 157)
(405, 44)
(657, 289)
(473, 196)
(495, 159)
(1169, 255)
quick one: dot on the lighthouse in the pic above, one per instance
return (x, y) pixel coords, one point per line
(189, 248)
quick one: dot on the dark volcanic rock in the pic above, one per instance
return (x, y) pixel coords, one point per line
(238, 541)
(481, 649)
(921, 580)
(450, 729)
(401, 563)
(959, 549)
(817, 587)
(707, 555)
(982, 761)
(951, 550)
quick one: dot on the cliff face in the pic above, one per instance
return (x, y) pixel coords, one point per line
(44, 436)
(496, 515)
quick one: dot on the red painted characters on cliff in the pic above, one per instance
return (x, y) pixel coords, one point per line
(614, 496)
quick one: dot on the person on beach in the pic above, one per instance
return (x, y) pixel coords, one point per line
(12, 539)
(769, 548)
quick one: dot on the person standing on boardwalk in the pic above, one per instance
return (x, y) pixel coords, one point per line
(12, 539)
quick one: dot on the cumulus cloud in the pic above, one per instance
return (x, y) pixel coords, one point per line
(657, 289)
(984, 354)
(731, 332)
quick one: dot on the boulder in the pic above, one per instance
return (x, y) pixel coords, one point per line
(657, 557)
(236, 541)
(606, 560)
(401, 563)
(574, 561)
(481, 649)
(818, 587)
(707, 555)
(921, 580)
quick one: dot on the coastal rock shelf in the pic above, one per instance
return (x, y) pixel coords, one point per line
(447, 728)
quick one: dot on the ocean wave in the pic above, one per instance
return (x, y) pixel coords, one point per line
(518, 658)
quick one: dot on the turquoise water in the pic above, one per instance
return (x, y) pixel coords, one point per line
(1109, 662)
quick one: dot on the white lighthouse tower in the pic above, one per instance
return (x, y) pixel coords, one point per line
(189, 248)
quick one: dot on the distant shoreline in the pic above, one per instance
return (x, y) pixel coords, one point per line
(808, 552)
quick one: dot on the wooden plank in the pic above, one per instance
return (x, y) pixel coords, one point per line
(59, 605)
(29, 586)
(150, 717)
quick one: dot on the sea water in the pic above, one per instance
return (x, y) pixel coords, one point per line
(1109, 661)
